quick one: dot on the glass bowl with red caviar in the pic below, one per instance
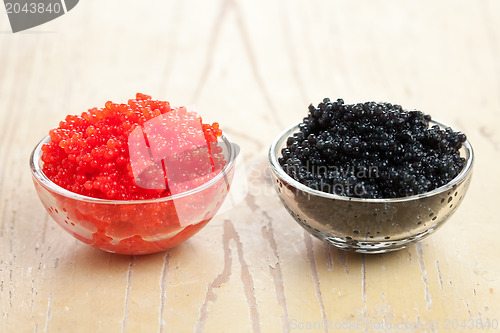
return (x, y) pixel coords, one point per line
(133, 178)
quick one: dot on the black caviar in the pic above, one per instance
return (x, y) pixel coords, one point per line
(371, 150)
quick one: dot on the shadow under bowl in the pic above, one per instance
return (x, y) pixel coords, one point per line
(136, 226)
(368, 225)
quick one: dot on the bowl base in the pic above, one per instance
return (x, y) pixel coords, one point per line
(368, 246)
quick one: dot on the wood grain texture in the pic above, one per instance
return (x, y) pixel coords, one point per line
(254, 66)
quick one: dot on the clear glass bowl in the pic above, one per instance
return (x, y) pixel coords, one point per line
(368, 225)
(134, 227)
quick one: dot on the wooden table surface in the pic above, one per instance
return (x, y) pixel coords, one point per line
(254, 66)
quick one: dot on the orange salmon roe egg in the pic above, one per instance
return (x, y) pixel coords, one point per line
(89, 154)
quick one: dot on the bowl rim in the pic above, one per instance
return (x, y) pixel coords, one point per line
(280, 173)
(42, 179)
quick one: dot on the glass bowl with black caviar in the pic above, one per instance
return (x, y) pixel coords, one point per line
(370, 177)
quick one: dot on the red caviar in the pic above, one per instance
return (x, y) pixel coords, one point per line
(90, 154)
(144, 149)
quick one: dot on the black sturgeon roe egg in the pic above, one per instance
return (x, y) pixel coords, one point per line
(371, 150)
